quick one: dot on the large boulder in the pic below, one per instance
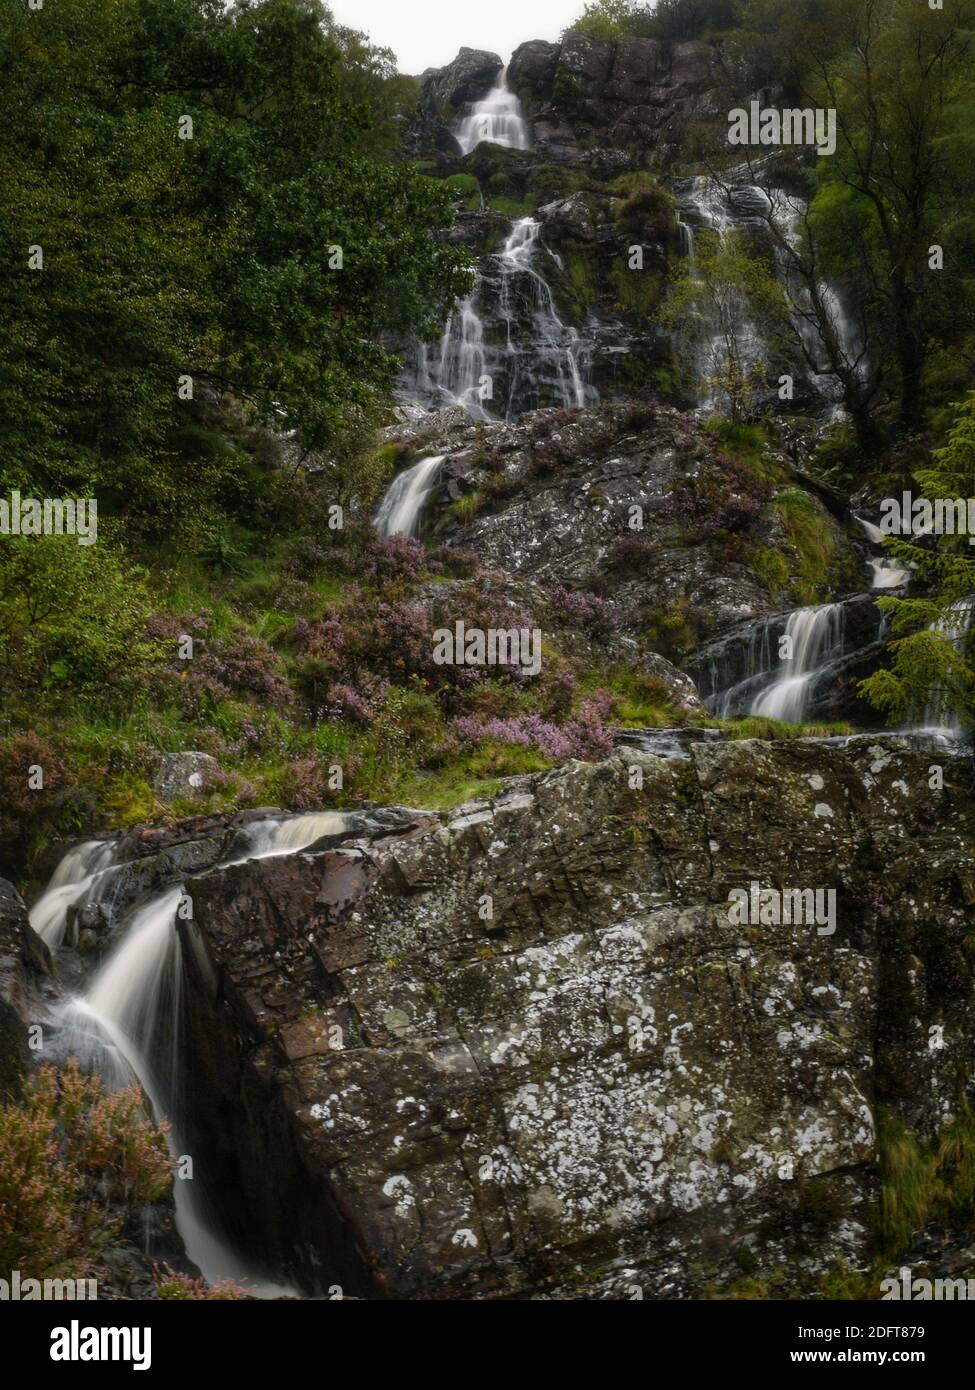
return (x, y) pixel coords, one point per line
(561, 489)
(528, 1051)
(531, 70)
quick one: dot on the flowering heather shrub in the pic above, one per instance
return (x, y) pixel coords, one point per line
(170, 627)
(584, 737)
(584, 611)
(320, 637)
(67, 1149)
(387, 558)
(344, 702)
(559, 694)
(638, 415)
(456, 561)
(172, 1285)
(239, 790)
(302, 784)
(724, 495)
(304, 558)
(24, 812)
(243, 662)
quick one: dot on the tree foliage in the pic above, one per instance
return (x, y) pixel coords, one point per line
(890, 212)
(933, 668)
(267, 256)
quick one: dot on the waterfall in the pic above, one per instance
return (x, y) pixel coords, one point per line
(779, 688)
(127, 1027)
(399, 511)
(81, 877)
(736, 203)
(888, 572)
(939, 719)
(554, 345)
(496, 118)
(266, 839)
(788, 212)
(127, 1023)
(461, 369)
(541, 361)
(706, 200)
(816, 635)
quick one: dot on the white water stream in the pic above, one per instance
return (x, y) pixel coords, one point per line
(126, 1024)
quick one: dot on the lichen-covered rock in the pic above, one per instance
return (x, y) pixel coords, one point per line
(525, 1049)
(560, 490)
(184, 774)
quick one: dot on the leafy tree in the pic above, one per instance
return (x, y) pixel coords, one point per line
(72, 618)
(676, 20)
(933, 665)
(268, 256)
(900, 78)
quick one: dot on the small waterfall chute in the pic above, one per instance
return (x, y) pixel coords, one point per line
(541, 361)
(816, 637)
(127, 1023)
(399, 511)
(80, 877)
(266, 839)
(496, 119)
(753, 679)
(888, 572)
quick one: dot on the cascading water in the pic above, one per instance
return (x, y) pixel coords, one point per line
(496, 118)
(777, 687)
(539, 361)
(399, 511)
(737, 203)
(788, 212)
(707, 206)
(554, 353)
(82, 876)
(127, 1025)
(266, 839)
(940, 720)
(815, 636)
(461, 368)
(888, 572)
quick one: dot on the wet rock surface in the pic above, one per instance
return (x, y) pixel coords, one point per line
(24, 964)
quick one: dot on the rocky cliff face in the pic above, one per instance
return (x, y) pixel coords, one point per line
(589, 100)
(554, 497)
(522, 1050)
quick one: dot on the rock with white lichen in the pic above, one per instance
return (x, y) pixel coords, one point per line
(525, 1049)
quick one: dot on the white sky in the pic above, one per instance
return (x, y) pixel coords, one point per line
(428, 33)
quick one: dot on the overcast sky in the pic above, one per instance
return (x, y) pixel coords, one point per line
(428, 33)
